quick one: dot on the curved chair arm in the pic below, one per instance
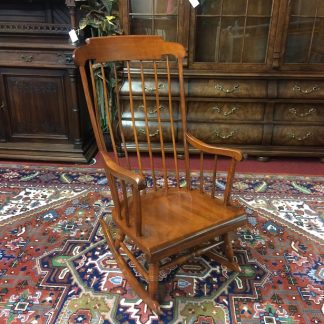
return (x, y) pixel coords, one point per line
(118, 171)
(207, 148)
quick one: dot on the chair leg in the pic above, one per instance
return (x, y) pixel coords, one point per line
(141, 292)
(153, 280)
(119, 238)
(228, 251)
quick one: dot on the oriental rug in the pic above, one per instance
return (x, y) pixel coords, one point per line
(56, 268)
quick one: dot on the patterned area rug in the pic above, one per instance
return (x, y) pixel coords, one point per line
(56, 268)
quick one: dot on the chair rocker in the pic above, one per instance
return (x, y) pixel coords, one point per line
(169, 211)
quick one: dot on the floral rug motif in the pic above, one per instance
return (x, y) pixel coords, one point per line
(303, 216)
(56, 268)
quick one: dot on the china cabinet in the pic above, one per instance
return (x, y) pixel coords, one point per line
(42, 114)
(254, 73)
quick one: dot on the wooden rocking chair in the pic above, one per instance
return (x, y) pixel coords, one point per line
(137, 84)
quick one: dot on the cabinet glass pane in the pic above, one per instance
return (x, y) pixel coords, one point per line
(305, 38)
(303, 8)
(156, 7)
(257, 7)
(206, 51)
(141, 6)
(236, 7)
(141, 25)
(256, 37)
(227, 30)
(210, 7)
(154, 17)
(231, 40)
(317, 54)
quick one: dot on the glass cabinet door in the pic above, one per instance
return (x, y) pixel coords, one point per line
(154, 17)
(305, 33)
(236, 32)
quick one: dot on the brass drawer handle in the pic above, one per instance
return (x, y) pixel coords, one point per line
(152, 110)
(2, 107)
(142, 131)
(27, 58)
(225, 136)
(220, 87)
(293, 111)
(149, 89)
(306, 91)
(225, 113)
(300, 138)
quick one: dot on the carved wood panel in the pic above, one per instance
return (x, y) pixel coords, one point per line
(36, 105)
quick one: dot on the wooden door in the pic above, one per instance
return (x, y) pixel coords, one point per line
(35, 105)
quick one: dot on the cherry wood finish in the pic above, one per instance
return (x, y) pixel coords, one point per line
(43, 115)
(253, 73)
(176, 220)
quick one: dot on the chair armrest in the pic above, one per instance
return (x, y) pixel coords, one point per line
(207, 148)
(120, 172)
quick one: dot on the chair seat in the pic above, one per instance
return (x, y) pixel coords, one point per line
(175, 217)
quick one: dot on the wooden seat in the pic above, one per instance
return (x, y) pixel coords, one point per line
(163, 206)
(179, 216)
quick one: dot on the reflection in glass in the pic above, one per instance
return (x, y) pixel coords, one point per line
(231, 40)
(207, 51)
(305, 40)
(236, 7)
(257, 7)
(303, 8)
(317, 54)
(166, 27)
(166, 7)
(141, 25)
(154, 17)
(227, 30)
(141, 6)
(256, 37)
(209, 7)
(298, 40)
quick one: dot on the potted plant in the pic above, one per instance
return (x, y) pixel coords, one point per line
(100, 18)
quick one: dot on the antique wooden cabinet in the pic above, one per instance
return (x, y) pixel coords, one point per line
(254, 74)
(42, 111)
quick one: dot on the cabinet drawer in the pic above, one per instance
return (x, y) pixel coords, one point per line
(301, 89)
(209, 111)
(299, 112)
(298, 135)
(150, 87)
(228, 88)
(153, 131)
(152, 111)
(227, 133)
(35, 57)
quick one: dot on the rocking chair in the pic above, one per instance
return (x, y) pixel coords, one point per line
(134, 86)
